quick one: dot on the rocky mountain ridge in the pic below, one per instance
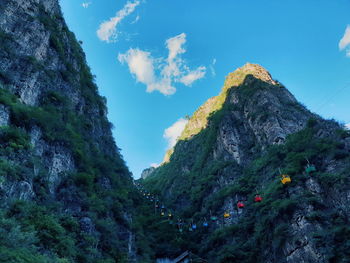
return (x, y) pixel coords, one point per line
(239, 144)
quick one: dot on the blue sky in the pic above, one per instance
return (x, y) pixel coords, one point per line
(157, 61)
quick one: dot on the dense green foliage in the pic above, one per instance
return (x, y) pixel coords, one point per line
(263, 227)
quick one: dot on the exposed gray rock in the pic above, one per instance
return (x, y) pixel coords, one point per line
(105, 183)
(22, 190)
(313, 186)
(301, 248)
(57, 159)
(59, 162)
(87, 225)
(147, 172)
(4, 115)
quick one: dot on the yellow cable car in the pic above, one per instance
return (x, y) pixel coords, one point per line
(286, 179)
(226, 215)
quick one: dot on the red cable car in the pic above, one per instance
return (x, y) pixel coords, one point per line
(257, 199)
(240, 204)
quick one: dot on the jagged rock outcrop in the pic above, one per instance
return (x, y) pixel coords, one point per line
(4, 115)
(238, 144)
(147, 172)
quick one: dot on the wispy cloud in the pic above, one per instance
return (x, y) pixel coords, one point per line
(344, 43)
(160, 74)
(154, 165)
(347, 126)
(86, 4)
(141, 65)
(108, 30)
(211, 67)
(193, 75)
(172, 133)
(137, 18)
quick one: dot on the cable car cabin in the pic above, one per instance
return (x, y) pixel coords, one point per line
(194, 226)
(205, 224)
(286, 179)
(257, 199)
(213, 218)
(240, 205)
(226, 215)
(162, 213)
(310, 169)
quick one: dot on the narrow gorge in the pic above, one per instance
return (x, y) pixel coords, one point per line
(254, 177)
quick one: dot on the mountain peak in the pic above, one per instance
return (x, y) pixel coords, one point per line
(199, 119)
(238, 76)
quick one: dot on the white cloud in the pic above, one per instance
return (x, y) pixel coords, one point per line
(174, 45)
(211, 67)
(347, 126)
(154, 165)
(193, 75)
(141, 65)
(136, 20)
(86, 4)
(160, 74)
(108, 30)
(348, 52)
(344, 43)
(172, 133)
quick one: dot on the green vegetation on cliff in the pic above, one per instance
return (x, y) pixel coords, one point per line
(83, 214)
(263, 227)
(305, 220)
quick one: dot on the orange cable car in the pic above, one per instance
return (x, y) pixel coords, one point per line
(286, 179)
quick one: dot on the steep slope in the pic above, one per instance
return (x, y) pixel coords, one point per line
(236, 145)
(66, 194)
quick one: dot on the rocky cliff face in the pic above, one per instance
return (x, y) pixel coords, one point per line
(62, 179)
(147, 172)
(238, 144)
